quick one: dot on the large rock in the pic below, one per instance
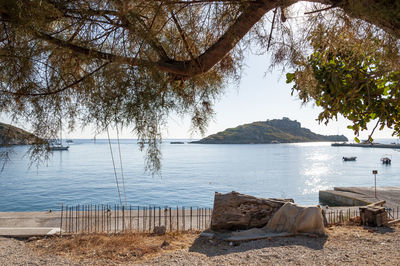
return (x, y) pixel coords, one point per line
(294, 219)
(235, 211)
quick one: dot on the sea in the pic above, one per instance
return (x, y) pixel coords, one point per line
(190, 173)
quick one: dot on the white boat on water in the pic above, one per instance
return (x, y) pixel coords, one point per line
(58, 146)
(349, 159)
(386, 159)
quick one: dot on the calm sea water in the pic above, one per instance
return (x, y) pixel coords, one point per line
(191, 173)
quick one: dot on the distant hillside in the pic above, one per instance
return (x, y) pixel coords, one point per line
(10, 135)
(271, 131)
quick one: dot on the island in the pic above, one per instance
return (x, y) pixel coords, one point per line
(271, 131)
(11, 135)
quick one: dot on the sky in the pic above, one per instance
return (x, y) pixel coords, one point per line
(261, 95)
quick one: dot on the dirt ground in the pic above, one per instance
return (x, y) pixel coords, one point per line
(343, 245)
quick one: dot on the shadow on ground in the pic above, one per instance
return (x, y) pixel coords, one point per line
(215, 247)
(380, 230)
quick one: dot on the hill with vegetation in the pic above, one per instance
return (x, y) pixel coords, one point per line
(271, 131)
(10, 135)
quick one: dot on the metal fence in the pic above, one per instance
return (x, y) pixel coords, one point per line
(343, 214)
(115, 219)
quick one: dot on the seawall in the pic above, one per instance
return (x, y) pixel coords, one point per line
(378, 145)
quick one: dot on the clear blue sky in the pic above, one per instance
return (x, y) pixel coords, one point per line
(260, 96)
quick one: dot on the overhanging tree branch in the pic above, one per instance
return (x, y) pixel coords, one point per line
(76, 82)
(188, 68)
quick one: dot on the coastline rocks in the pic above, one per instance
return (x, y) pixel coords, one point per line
(10, 135)
(236, 211)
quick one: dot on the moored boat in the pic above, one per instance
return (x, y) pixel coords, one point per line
(349, 159)
(58, 146)
(386, 159)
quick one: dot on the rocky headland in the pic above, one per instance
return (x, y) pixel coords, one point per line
(11, 135)
(271, 131)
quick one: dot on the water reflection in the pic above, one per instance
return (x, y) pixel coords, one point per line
(190, 175)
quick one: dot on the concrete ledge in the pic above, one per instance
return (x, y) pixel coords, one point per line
(360, 196)
(28, 231)
(340, 198)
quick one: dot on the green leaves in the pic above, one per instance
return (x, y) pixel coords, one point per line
(290, 77)
(350, 75)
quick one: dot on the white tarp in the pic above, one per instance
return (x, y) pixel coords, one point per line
(290, 219)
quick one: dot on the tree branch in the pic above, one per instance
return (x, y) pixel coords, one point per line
(182, 34)
(59, 90)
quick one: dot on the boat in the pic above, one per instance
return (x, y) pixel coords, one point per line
(69, 141)
(349, 159)
(58, 146)
(177, 142)
(386, 159)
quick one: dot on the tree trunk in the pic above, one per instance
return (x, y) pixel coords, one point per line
(235, 211)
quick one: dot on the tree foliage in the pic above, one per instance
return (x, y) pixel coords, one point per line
(132, 63)
(353, 70)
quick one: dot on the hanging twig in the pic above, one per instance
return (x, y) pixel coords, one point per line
(115, 171)
(120, 161)
(370, 136)
(323, 9)
(272, 28)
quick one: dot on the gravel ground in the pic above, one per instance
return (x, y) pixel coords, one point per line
(345, 245)
(16, 252)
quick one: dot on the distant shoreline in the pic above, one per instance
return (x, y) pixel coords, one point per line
(378, 145)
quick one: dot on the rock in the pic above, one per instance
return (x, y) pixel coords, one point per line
(164, 244)
(159, 230)
(297, 220)
(326, 224)
(207, 234)
(235, 211)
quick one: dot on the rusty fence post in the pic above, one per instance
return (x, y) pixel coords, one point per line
(170, 219)
(191, 218)
(165, 217)
(154, 216)
(123, 218)
(159, 216)
(183, 218)
(138, 219)
(150, 218)
(61, 218)
(177, 218)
